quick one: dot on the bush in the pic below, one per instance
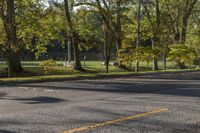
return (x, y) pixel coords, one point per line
(143, 54)
(182, 54)
(48, 65)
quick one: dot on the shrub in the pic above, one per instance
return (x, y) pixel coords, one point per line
(129, 56)
(48, 65)
(182, 54)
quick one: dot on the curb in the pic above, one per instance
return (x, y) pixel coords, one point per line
(95, 77)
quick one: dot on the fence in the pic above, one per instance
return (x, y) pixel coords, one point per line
(29, 60)
(94, 59)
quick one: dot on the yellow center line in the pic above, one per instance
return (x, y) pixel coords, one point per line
(107, 123)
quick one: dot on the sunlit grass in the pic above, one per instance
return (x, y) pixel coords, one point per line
(93, 69)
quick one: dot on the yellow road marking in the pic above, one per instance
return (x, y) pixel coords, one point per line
(107, 123)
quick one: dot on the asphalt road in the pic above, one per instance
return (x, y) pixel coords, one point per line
(149, 103)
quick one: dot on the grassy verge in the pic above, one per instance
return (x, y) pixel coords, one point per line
(77, 75)
(94, 70)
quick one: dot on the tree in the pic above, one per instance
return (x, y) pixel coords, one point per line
(74, 35)
(193, 39)
(155, 21)
(112, 14)
(180, 12)
(7, 13)
(189, 6)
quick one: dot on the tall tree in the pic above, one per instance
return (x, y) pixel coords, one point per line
(7, 13)
(154, 17)
(189, 6)
(73, 34)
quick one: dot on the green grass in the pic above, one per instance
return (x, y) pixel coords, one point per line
(94, 68)
(88, 63)
(76, 75)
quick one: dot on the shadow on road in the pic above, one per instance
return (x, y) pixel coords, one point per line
(34, 100)
(5, 131)
(2, 95)
(154, 87)
(40, 100)
(178, 84)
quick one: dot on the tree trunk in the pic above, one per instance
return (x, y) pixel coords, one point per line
(137, 65)
(155, 64)
(158, 18)
(189, 6)
(199, 61)
(109, 39)
(164, 61)
(138, 36)
(74, 36)
(155, 60)
(77, 62)
(164, 53)
(107, 64)
(181, 65)
(183, 38)
(14, 61)
(119, 27)
(107, 58)
(106, 52)
(184, 30)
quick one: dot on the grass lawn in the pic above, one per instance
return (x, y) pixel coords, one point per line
(93, 69)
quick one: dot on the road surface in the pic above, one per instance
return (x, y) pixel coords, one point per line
(149, 103)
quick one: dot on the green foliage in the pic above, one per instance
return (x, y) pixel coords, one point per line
(193, 38)
(142, 54)
(48, 65)
(182, 54)
(88, 28)
(39, 26)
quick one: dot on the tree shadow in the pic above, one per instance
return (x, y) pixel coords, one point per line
(152, 87)
(179, 75)
(35, 100)
(2, 95)
(187, 75)
(40, 100)
(6, 131)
